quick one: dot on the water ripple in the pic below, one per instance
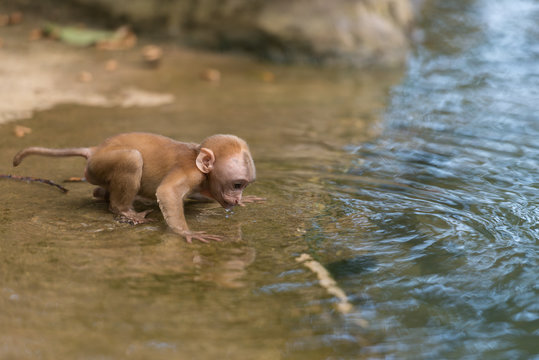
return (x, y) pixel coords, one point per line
(450, 192)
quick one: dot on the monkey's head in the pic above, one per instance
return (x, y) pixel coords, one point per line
(229, 167)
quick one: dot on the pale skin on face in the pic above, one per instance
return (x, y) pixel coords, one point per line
(127, 166)
(235, 176)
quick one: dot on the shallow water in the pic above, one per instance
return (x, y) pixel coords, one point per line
(417, 191)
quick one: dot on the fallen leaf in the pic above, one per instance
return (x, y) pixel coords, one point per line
(35, 34)
(21, 131)
(152, 55)
(121, 39)
(111, 65)
(4, 20)
(15, 18)
(212, 75)
(85, 77)
(75, 36)
(268, 76)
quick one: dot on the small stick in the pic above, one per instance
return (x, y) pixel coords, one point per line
(331, 286)
(33, 179)
(75, 179)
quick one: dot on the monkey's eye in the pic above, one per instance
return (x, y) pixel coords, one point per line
(238, 186)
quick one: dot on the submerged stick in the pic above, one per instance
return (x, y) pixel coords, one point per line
(33, 179)
(328, 283)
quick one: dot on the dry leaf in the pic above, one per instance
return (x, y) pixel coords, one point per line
(74, 179)
(15, 18)
(152, 55)
(122, 39)
(268, 76)
(4, 20)
(111, 65)
(35, 34)
(212, 75)
(21, 131)
(85, 77)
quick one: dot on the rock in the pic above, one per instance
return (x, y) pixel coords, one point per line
(346, 32)
(353, 33)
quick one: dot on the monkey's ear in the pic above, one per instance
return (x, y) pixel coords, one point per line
(205, 160)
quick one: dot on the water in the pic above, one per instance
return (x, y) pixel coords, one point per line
(417, 191)
(455, 234)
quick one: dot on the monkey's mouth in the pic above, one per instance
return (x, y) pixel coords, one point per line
(227, 205)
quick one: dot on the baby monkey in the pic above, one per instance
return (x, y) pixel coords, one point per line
(155, 167)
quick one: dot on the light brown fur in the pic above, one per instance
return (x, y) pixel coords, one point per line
(152, 166)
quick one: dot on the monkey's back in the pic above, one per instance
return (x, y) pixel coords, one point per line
(160, 155)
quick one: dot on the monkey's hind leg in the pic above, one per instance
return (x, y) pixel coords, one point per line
(119, 172)
(102, 194)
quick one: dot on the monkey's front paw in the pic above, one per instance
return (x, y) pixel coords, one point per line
(201, 236)
(134, 218)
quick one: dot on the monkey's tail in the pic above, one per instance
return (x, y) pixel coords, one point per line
(84, 152)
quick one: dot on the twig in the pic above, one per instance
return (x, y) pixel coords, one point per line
(331, 286)
(75, 179)
(33, 179)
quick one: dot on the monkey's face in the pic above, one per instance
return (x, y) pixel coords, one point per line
(229, 178)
